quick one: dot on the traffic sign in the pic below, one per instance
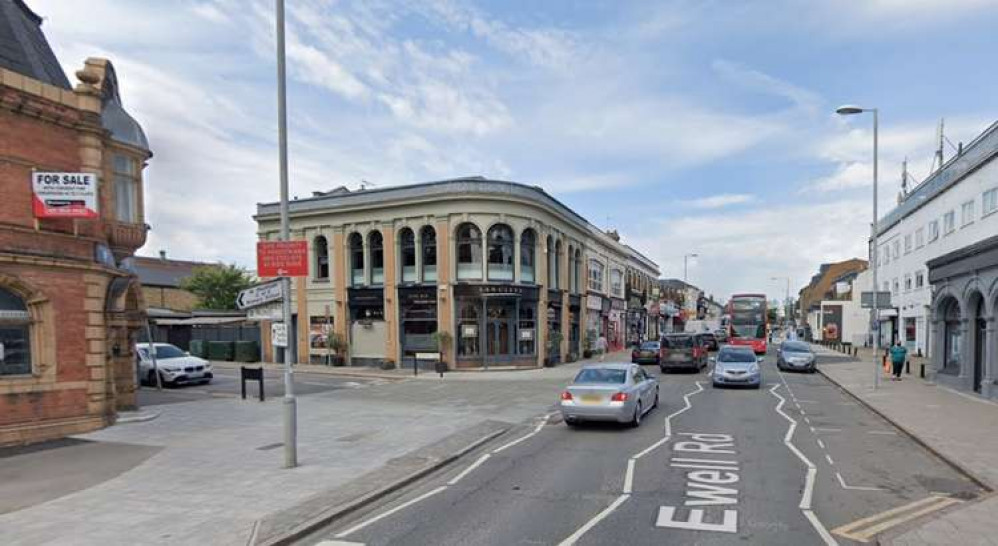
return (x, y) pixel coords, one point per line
(279, 334)
(282, 258)
(259, 295)
(267, 311)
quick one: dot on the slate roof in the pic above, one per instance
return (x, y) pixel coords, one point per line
(23, 47)
(166, 273)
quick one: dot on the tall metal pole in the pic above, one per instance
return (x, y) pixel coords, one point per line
(290, 404)
(873, 258)
(684, 266)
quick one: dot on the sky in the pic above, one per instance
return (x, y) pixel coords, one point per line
(690, 126)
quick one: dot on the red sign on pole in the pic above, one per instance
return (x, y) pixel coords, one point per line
(282, 258)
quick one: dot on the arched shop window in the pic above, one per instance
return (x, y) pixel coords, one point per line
(469, 252)
(407, 249)
(15, 335)
(375, 245)
(500, 253)
(321, 250)
(550, 253)
(356, 259)
(528, 255)
(428, 240)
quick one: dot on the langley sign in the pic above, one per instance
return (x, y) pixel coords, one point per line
(260, 294)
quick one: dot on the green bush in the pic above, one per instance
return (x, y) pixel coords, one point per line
(247, 351)
(220, 350)
(199, 348)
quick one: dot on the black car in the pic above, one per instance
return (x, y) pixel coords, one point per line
(683, 351)
(709, 340)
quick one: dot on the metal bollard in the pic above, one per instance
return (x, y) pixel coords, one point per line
(921, 371)
(907, 367)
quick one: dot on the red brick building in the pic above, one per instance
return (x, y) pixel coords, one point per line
(69, 305)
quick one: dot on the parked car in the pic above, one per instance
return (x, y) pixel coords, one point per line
(796, 355)
(683, 351)
(609, 392)
(175, 366)
(649, 352)
(737, 366)
(709, 340)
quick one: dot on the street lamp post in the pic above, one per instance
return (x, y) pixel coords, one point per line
(848, 110)
(685, 258)
(786, 299)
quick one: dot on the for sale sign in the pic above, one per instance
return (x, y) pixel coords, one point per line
(282, 258)
(64, 195)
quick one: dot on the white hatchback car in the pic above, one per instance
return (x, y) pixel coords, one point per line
(175, 366)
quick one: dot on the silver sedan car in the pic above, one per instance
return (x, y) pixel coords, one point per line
(609, 392)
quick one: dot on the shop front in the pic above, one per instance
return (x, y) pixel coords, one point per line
(616, 327)
(574, 326)
(418, 320)
(636, 321)
(368, 333)
(553, 349)
(496, 325)
(594, 320)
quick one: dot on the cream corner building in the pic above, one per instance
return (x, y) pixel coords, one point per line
(515, 276)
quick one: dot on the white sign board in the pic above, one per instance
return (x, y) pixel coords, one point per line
(64, 195)
(259, 295)
(279, 334)
(270, 311)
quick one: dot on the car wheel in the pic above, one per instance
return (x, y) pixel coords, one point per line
(206, 382)
(636, 420)
(572, 423)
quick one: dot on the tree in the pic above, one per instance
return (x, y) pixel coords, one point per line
(217, 286)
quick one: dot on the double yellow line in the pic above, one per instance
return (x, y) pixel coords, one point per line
(863, 530)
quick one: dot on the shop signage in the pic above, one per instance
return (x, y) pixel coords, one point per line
(270, 311)
(469, 330)
(259, 295)
(279, 334)
(417, 296)
(486, 291)
(526, 334)
(282, 258)
(64, 195)
(594, 303)
(617, 305)
(366, 296)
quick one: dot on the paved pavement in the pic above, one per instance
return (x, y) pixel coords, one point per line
(797, 462)
(217, 473)
(956, 425)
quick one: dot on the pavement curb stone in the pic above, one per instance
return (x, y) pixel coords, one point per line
(290, 525)
(956, 465)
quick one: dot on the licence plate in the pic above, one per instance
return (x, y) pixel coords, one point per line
(647, 353)
(590, 399)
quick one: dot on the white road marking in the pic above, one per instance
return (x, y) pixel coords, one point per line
(883, 432)
(384, 515)
(829, 459)
(707, 461)
(339, 543)
(525, 436)
(820, 443)
(842, 482)
(805, 501)
(819, 429)
(808, 401)
(629, 473)
(470, 468)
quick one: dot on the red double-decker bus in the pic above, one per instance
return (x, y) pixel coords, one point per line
(748, 324)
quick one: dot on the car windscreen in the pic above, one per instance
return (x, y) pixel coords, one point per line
(736, 356)
(649, 346)
(795, 347)
(163, 351)
(679, 342)
(756, 331)
(601, 375)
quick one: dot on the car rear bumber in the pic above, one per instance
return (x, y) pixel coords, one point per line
(758, 345)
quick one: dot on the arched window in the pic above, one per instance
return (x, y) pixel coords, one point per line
(321, 251)
(528, 255)
(578, 270)
(469, 252)
(428, 240)
(550, 253)
(15, 335)
(375, 245)
(407, 249)
(356, 259)
(557, 266)
(500, 253)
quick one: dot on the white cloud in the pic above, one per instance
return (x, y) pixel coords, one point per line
(752, 79)
(719, 201)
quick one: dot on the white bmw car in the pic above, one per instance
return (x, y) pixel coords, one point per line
(175, 366)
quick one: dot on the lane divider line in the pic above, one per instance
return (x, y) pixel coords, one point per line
(820, 443)
(844, 485)
(829, 459)
(812, 471)
(481, 460)
(629, 473)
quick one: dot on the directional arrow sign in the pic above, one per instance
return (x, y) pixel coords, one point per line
(259, 295)
(282, 258)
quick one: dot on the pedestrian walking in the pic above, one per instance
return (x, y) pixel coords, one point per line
(898, 356)
(601, 347)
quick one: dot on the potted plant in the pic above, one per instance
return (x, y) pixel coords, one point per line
(337, 347)
(554, 348)
(443, 341)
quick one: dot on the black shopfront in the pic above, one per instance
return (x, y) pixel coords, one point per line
(366, 304)
(553, 352)
(496, 325)
(574, 325)
(417, 319)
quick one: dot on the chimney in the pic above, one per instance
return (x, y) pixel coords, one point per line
(162, 255)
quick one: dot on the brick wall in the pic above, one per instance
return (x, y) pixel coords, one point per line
(169, 298)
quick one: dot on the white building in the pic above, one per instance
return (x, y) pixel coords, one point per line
(955, 207)
(844, 319)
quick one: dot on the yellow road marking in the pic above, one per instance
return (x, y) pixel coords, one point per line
(862, 530)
